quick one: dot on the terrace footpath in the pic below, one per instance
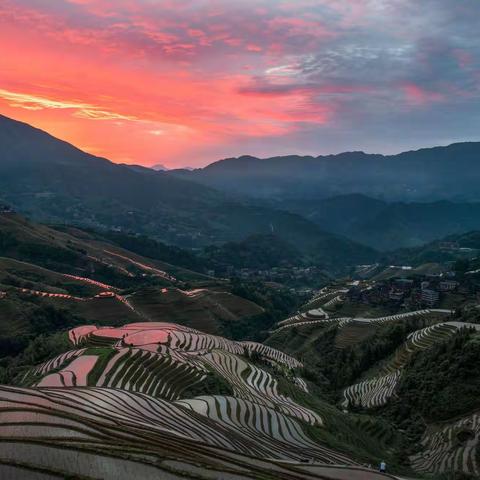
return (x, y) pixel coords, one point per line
(342, 472)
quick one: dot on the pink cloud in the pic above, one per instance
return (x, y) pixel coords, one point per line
(419, 96)
(105, 74)
(464, 58)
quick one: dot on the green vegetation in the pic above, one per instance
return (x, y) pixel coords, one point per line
(333, 368)
(442, 382)
(363, 436)
(278, 302)
(30, 319)
(213, 384)
(104, 356)
(31, 352)
(155, 249)
(277, 305)
(459, 249)
(257, 252)
(32, 332)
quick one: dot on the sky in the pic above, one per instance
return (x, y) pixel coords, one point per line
(188, 82)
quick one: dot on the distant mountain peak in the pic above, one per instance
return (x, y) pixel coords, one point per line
(159, 167)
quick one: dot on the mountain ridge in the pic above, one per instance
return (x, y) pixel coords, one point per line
(344, 154)
(53, 181)
(425, 174)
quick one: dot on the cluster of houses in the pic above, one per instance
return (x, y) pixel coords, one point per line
(286, 275)
(422, 291)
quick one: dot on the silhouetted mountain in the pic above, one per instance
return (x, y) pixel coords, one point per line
(450, 172)
(387, 226)
(56, 182)
(159, 167)
(137, 168)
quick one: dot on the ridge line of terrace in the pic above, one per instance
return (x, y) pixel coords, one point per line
(344, 320)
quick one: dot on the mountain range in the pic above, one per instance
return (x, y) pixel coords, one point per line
(323, 206)
(385, 202)
(53, 181)
(427, 174)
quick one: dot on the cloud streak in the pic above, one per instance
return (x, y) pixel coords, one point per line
(81, 110)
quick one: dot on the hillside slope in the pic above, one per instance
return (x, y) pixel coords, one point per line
(415, 370)
(51, 280)
(388, 225)
(78, 251)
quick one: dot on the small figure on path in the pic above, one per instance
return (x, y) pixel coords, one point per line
(383, 466)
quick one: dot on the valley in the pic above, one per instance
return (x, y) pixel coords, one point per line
(137, 363)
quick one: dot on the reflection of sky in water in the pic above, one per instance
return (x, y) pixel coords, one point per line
(80, 368)
(147, 336)
(112, 332)
(154, 325)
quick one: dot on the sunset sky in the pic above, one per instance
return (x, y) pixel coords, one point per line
(187, 82)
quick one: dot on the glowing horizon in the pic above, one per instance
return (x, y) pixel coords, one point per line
(187, 83)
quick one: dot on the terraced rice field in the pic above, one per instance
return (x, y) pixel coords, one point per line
(351, 333)
(273, 429)
(307, 319)
(122, 401)
(56, 362)
(272, 354)
(423, 339)
(162, 359)
(150, 335)
(325, 295)
(315, 314)
(107, 433)
(331, 303)
(251, 383)
(301, 384)
(90, 281)
(91, 334)
(163, 375)
(37, 293)
(75, 375)
(426, 337)
(420, 340)
(371, 393)
(403, 316)
(376, 392)
(451, 448)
